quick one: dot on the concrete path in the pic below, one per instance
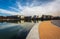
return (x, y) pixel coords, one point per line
(34, 34)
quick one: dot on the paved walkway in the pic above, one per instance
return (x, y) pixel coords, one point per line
(44, 30)
(47, 30)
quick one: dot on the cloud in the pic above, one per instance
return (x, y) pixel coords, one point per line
(35, 8)
(8, 12)
(14, 9)
(51, 8)
(19, 5)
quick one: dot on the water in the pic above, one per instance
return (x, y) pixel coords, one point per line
(14, 30)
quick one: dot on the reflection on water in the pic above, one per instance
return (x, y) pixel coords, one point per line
(20, 21)
(15, 29)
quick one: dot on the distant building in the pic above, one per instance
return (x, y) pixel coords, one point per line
(56, 18)
(27, 17)
(1, 17)
(47, 17)
(35, 17)
(13, 17)
(22, 17)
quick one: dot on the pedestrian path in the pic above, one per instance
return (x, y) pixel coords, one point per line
(47, 30)
(44, 30)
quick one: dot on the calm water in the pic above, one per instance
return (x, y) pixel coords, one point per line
(15, 30)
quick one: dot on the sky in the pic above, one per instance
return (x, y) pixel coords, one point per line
(29, 7)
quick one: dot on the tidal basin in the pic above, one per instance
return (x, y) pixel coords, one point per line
(15, 30)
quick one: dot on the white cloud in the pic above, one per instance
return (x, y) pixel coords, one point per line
(20, 7)
(8, 12)
(51, 8)
(14, 9)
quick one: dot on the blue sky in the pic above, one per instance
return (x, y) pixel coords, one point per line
(6, 4)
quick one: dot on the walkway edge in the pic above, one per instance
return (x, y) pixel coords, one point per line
(34, 34)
